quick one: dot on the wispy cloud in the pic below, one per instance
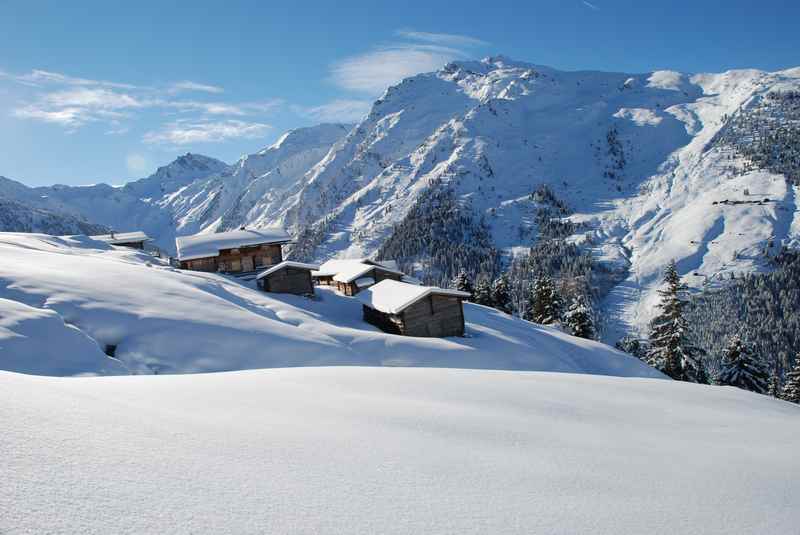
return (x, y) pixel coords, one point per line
(73, 102)
(446, 39)
(338, 111)
(186, 132)
(188, 85)
(373, 71)
(590, 5)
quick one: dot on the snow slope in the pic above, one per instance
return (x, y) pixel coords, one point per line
(86, 296)
(377, 450)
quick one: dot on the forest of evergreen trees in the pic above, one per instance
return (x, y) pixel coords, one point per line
(767, 134)
(761, 308)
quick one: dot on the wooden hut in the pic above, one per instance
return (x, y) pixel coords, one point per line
(328, 270)
(134, 240)
(235, 251)
(288, 277)
(355, 278)
(411, 310)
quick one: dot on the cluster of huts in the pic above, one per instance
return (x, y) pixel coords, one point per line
(391, 300)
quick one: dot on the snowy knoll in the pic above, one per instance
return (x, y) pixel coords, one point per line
(394, 450)
(88, 298)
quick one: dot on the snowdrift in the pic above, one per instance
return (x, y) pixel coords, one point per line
(379, 450)
(65, 302)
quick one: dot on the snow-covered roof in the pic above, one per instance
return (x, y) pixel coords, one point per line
(332, 267)
(122, 237)
(356, 271)
(206, 245)
(391, 264)
(363, 282)
(285, 264)
(392, 297)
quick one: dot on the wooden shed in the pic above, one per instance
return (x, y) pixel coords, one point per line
(411, 310)
(235, 251)
(288, 277)
(134, 240)
(353, 279)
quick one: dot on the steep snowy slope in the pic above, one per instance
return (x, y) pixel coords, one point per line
(90, 298)
(375, 450)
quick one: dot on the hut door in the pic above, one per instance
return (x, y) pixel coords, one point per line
(247, 263)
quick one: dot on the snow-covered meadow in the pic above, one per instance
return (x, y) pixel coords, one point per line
(393, 450)
(64, 301)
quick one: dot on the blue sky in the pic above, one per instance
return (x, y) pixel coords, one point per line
(107, 91)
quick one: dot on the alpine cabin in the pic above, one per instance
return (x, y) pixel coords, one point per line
(235, 251)
(411, 310)
(353, 279)
(134, 240)
(288, 277)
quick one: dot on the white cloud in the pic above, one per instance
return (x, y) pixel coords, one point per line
(138, 165)
(73, 102)
(40, 77)
(339, 111)
(189, 132)
(447, 39)
(591, 5)
(70, 117)
(188, 85)
(373, 71)
(98, 98)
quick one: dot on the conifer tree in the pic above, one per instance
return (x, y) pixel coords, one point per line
(483, 293)
(462, 283)
(670, 349)
(529, 302)
(742, 369)
(501, 294)
(546, 304)
(578, 319)
(774, 386)
(791, 390)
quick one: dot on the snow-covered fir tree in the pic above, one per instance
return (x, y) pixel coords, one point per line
(742, 369)
(578, 319)
(546, 303)
(501, 294)
(774, 385)
(670, 349)
(791, 390)
(483, 292)
(633, 346)
(462, 283)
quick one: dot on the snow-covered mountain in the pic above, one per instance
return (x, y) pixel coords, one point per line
(647, 167)
(193, 193)
(16, 216)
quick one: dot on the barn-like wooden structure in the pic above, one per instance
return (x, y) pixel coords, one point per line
(412, 310)
(288, 277)
(234, 251)
(134, 240)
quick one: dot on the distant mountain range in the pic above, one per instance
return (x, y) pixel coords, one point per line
(645, 167)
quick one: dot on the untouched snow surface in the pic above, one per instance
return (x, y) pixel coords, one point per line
(87, 296)
(378, 450)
